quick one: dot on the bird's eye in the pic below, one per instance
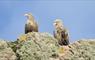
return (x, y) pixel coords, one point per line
(55, 23)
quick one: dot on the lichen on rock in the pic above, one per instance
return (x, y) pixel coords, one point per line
(43, 46)
(39, 46)
(81, 50)
(6, 53)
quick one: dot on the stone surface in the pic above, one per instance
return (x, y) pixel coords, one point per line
(6, 53)
(38, 46)
(80, 50)
(43, 46)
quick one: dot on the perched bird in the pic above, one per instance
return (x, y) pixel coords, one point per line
(60, 32)
(31, 25)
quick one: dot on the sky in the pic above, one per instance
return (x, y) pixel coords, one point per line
(77, 16)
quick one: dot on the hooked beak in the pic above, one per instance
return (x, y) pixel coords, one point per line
(54, 24)
(25, 14)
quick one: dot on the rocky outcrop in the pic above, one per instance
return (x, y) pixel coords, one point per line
(37, 46)
(6, 53)
(43, 46)
(81, 50)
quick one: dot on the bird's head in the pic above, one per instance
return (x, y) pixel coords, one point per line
(28, 15)
(58, 23)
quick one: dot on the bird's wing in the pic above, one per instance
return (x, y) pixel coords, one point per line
(28, 28)
(54, 34)
(64, 34)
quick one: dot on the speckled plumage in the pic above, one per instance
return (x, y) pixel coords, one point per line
(61, 33)
(31, 25)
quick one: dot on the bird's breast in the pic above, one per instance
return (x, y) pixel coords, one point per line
(30, 22)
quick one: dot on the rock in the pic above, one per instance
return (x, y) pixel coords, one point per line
(6, 53)
(81, 50)
(38, 46)
(43, 46)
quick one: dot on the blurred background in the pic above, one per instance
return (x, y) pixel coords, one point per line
(77, 16)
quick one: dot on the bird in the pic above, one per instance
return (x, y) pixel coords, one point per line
(31, 25)
(60, 32)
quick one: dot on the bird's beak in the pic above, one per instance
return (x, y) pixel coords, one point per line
(25, 14)
(54, 24)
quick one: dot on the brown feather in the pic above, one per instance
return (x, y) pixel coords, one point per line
(61, 33)
(31, 25)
